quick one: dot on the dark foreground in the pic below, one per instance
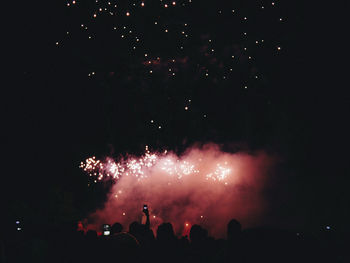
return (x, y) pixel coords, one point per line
(139, 244)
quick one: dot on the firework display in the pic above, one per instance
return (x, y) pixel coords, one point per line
(204, 185)
(138, 167)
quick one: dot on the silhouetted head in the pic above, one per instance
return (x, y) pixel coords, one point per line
(165, 232)
(116, 228)
(197, 234)
(135, 228)
(234, 229)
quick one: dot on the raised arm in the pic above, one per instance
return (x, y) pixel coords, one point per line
(147, 218)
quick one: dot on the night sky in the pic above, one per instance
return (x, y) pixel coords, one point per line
(109, 77)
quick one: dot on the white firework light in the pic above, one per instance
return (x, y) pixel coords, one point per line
(140, 167)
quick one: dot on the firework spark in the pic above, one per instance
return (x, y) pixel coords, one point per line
(140, 167)
(203, 186)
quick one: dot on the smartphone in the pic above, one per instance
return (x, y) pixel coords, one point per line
(106, 229)
(18, 225)
(145, 208)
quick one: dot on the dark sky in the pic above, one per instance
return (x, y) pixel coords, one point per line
(56, 114)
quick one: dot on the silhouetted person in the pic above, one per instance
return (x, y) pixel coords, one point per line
(147, 233)
(197, 235)
(135, 229)
(120, 247)
(165, 233)
(116, 228)
(233, 249)
(141, 232)
(234, 230)
(199, 249)
(168, 247)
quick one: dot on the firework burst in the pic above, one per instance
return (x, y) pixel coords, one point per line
(139, 167)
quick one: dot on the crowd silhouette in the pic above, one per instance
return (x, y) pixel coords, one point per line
(139, 244)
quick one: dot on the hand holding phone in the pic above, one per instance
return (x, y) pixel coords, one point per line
(106, 229)
(145, 209)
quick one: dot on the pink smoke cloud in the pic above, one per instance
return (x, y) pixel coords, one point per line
(203, 186)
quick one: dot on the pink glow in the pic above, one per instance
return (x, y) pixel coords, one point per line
(203, 186)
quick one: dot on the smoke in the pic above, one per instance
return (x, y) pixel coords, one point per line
(218, 186)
